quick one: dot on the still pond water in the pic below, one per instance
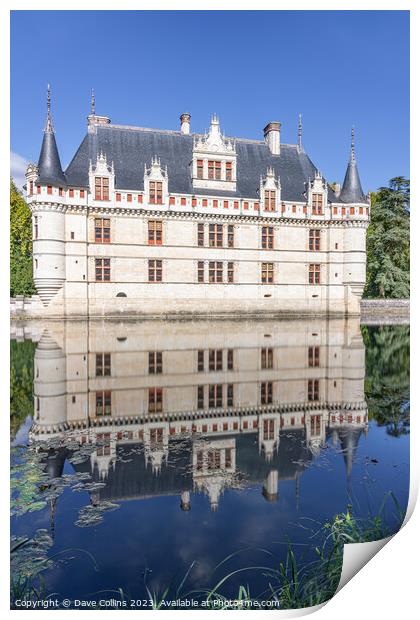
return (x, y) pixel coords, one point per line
(140, 450)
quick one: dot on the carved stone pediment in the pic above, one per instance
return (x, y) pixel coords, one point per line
(214, 141)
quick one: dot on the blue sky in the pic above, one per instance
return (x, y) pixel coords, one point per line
(337, 68)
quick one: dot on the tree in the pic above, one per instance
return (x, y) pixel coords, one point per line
(388, 242)
(387, 379)
(21, 275)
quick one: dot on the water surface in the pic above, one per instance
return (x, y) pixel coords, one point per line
(142, 448)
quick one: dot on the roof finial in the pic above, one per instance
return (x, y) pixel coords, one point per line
(352, 149)
(300, 132)
(92, 103)
(48, 125)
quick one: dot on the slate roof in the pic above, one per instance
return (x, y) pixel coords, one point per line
(49, 165)
(352, 188)
(132, 148)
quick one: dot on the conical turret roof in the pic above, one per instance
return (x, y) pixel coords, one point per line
(50, 171)
(352, 188)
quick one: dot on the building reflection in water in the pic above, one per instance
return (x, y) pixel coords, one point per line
(195, 405)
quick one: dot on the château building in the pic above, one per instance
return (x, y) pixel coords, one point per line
(224, 401)
(151, 221)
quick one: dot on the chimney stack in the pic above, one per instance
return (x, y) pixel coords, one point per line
(185, 123)
(272, 137)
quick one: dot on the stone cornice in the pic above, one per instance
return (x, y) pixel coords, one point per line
(198, 215)
(333, 408)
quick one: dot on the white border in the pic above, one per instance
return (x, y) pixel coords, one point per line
(387, 586)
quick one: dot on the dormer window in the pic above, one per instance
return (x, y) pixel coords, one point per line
(215, 170)
(155, 192)
(317, 204)
(214, 160)
(101, 188)
(269, 200)
(228, 171)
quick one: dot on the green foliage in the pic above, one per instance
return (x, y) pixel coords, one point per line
(388, 242)
(21, 275)
(21, 381)
(387, 382)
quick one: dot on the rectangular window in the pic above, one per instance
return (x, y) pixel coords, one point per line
(102, 269)
(38, 189)
(317, 200)
(229, 395)
(155, 270)
(266, 393)
(215, 396)
(230, 273)
(200, 235)
(129, 197)
(215, 170)
(267, 273)
(71, 193)
(156, 437)
(103, 364)
(118, 197)
(155, 192)
(314, 239)
(60, 191)
(230, 236)
(36, 227)
(228, 171)
(101, 188)
(49, 189)
(315, 424)
(267, 237)
(200, 271)
(268, 429)
(103, 403)
(216, 235)
(200, 169)
(269, 200)
(200, 360)
(314, 273)
(200, 397)
(102, 230)
(155, 400)
(200, 460)
(204, 202)
(266, 358)
(31, 188)
(230, 359)
(313, 356)
(313, 389)
(82, 193)
(154, 232)
(140, 198)
(228, 458)
(213, 459)
(215, 272)
(155, 362)
(215, 359)
(226, 204)
(183, 202)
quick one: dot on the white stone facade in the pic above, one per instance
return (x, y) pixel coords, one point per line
(66, 247)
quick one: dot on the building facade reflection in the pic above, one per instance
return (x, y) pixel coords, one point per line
(183, 408)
